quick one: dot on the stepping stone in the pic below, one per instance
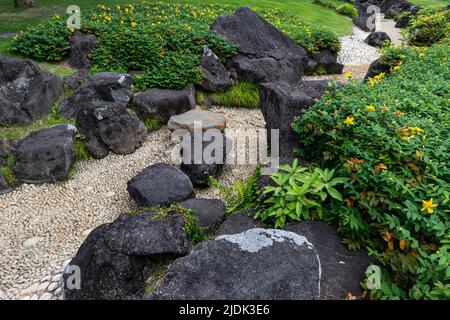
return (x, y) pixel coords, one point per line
(197, 119)
(160, 184)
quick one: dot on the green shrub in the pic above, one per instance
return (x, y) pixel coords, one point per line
(325, 3)
(162, 43)
(47, 41)
(6, 170)
(348, 10)
(152, 124)
(299, 194)
(81, 150)
(391, 138)
(429, 26)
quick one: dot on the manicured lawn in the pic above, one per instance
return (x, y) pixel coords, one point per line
(430, 2)
(14, 19)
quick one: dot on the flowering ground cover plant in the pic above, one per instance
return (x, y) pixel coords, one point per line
(161, 43)
(391, 138)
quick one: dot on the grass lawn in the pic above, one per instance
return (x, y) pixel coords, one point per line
(430, 2)
(15, 19)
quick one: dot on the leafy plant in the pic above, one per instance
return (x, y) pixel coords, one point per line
(299, 194)
(348, 10)
(81, 150)
(241, 194)
(391, 139)
(429, 26)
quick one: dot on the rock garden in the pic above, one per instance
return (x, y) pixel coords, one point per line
(103, 195)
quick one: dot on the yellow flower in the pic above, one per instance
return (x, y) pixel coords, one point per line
(379, 76)
(416, 130)
(348, 75)
(371, 108)
(421, 55)
(118, 7)
(349, 121)
(428, 205)
(396, 68)
(419, 155)
(133, 24)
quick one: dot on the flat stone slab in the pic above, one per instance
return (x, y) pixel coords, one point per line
(195, 120)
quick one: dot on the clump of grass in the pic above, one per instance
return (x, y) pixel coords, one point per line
(151, 123)
(242, 95)
(6, 170)
(157, 275)
(21, 131)
(81, 150)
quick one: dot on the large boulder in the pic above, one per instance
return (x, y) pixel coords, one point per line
(206, 120)
(204, 155)
(239, 222)
(45, 155)
(110, 127)
(81, 47)
(101, 88)
(365, 20)
(265, 54)
(377, 39)
(209, 212)
(281, 102)
(161, 104)
(160, 184)
(326, 60)
(116, 259)
(257, 264)
(215, 75)
(27, 93)
(342, 269)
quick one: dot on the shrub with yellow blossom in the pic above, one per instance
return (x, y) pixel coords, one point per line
(392, 141)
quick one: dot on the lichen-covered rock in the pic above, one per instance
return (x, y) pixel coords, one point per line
(257, 264)
(45, 155)
(116, 259)
(101, 88)
(27, 93)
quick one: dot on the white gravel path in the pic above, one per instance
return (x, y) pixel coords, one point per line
(354, 51)
(43, 226)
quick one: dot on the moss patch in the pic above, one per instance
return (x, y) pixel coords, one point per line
(242, 95)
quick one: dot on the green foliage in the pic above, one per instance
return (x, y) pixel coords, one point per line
(242, 95)
(161, 43)
(48, 41)
(299, 194)
(348, 10)
(6, 170)
(151, 123)
(81, 151)
(241, 194)
(325, 3)
(391, 138)
(195, 233)
(429, 26)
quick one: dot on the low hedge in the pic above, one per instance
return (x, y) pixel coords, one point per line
(391, 138)
(164, 42)
(429, 26)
